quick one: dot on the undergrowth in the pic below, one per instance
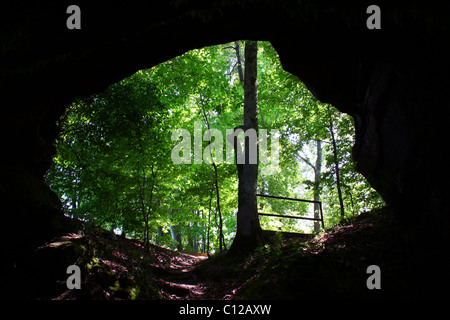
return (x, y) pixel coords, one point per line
(333, 265)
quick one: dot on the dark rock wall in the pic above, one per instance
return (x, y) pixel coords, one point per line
(400, 141)
(393, 81)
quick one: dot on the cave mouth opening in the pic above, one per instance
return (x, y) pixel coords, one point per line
(395, 92)
(114, 163)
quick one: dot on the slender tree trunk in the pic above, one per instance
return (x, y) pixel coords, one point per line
(203, 236)
(176, 236)
(142, 187)
(195, 237)
(178, 239)
(221, 236)
(351, 201)
(209, 223)
(160, 235)
(262, 190)
(317, 167)
(147, 216)
(336, 165)
(239, 61)
(248, 233)
(146, 234)
(216, 183)
(175, 232)
(317, 180)
(191, 238)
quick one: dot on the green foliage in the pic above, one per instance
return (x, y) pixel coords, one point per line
(113, 165)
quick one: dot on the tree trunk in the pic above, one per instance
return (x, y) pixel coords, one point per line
(142, 187)
(248, 233)
(191, 238)
(203, 235)
(160, 235)
(176, 236)
(317, 167)
(336, 165)
(317, 180)
(209, 223)
(239, 62)
(216, 183)
(175, 232)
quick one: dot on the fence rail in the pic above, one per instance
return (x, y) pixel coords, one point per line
(292, 217)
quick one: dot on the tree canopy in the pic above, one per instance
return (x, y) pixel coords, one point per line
(114, 165)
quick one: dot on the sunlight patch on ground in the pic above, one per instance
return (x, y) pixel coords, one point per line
(61, 241)
(114, 266)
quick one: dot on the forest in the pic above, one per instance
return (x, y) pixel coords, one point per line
(115, 169)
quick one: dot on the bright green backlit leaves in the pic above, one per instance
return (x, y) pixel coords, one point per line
(114, 168)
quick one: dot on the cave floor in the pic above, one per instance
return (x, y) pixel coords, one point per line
(332, 265)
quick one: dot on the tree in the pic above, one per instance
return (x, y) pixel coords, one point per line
(110, 154)
(248, 230)
(336, 166)
(317, 168)
(216, 180)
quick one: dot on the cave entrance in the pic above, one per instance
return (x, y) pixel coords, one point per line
(115, 162)
(396, 94)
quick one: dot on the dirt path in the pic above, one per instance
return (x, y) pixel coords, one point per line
(178, 281)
